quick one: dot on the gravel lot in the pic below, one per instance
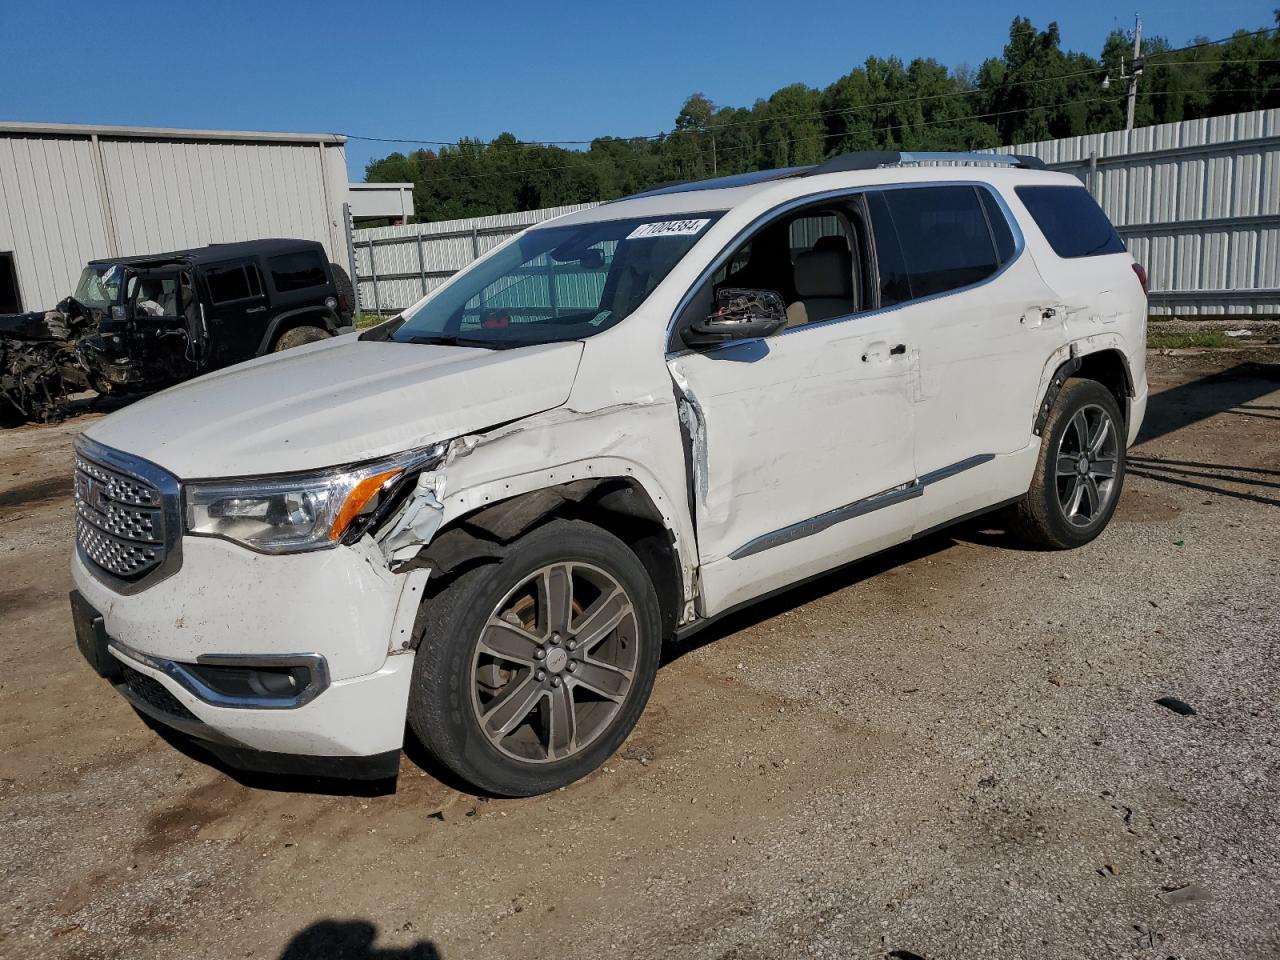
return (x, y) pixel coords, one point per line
(952, 751)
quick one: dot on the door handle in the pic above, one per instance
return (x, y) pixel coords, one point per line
(879, 351)
(256, 310)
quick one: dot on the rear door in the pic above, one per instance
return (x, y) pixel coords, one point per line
(235, 310)
(978, 312)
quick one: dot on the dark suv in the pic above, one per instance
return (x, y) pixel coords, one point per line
(167, 317)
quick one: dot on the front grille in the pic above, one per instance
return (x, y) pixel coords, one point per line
(153, 693)
(120, 520)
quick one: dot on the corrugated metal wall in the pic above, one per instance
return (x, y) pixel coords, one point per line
(51, 219)
(67, 198)
(397, 265)
(1197, 202)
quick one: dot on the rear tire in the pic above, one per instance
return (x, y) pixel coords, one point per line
(517, 698)
(297, 336)
(1080, 471)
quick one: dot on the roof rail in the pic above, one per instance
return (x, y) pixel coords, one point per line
(721, 183)
(871, 159)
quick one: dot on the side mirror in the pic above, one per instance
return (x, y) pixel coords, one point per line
(743, 314)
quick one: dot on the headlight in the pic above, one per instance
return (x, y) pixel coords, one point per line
(296, 512)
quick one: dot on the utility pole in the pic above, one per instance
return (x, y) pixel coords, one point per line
(714, 171)
(1135, 70)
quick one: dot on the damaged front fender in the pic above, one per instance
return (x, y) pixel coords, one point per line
(489, 487)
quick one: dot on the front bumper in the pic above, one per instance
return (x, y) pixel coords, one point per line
(334, 606)
(224, 599)
(357, 719)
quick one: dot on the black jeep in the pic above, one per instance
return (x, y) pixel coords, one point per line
(138, 324)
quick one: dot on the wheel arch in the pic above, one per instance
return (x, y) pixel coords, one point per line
(619, 504)
(1100, 360)
(311, 316)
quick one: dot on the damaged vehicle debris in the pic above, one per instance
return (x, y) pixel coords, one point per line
(40, 366)
(486, 515)
(138, 324)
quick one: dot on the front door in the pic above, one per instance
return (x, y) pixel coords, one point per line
(803, 442)
(163, 348)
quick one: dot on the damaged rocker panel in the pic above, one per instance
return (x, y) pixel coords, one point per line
(878, 501)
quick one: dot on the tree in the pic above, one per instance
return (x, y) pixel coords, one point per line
(1034, 91)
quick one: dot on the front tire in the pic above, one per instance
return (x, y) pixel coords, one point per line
(1080, 472)
(531, 672)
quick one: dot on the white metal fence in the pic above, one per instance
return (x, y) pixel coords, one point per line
(395, 266)
(1197, 202)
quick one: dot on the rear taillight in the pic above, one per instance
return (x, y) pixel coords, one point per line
(344, 304)
(1141, 271)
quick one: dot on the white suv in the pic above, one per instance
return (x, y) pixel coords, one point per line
(488, 513)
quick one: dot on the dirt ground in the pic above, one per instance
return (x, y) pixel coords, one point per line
(951, 751)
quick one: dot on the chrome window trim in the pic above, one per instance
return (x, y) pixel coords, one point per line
(1019, 246)
(877, 501)
(170, 490)
(190, 682)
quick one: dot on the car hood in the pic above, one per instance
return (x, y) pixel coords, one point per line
(337, 401)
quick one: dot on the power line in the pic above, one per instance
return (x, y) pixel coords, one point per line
(1150, 62)
(901, 126)
(1214, 43)
(997, 113)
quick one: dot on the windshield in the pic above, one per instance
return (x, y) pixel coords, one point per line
(99, 286)
(556, 283)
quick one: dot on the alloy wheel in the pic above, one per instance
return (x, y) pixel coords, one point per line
(1086, 463)
(554, 662)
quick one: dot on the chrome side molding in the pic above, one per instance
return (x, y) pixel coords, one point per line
(877, 501)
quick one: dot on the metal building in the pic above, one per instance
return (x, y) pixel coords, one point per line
(381, 201)
(70, 194)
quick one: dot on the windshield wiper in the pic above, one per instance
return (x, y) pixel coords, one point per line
(448, 340)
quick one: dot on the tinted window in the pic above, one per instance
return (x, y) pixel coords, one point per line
(233, 283)
(1071, 221)
(297, 271)
(944, 236)
(999, 224)
(895, 286)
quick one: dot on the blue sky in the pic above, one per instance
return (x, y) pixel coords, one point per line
(567, 70)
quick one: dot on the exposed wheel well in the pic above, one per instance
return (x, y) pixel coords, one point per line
(1110, 369)
(619, 506)
(1107, 367)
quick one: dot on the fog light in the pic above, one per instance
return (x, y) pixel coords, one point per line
(254, 683)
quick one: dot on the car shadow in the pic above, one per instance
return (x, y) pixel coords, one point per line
(1221, 392)
(1232, 391)
(273, 782)
(350, 940)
